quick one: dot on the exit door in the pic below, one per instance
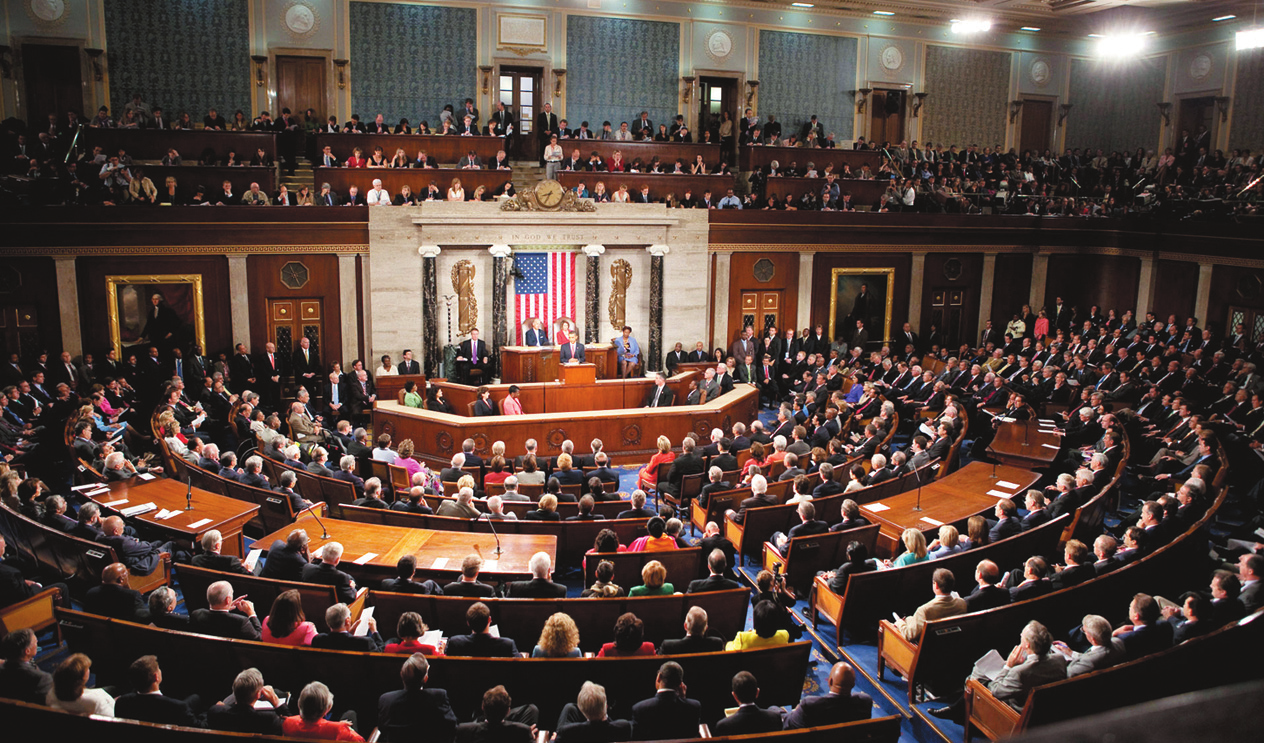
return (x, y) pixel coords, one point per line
(719, 95)
(760, 309)
(886, 118)
(520, 89)
(292, 319)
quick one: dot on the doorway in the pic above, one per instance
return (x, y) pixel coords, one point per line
(761, 309)
(1036, 126)
(521, 90)
(947, 314)
(53, 76)
(301, 85)
(886, 116)
(1252, 322)
(291, 319)
(718, 94)
(19, 329)
(1196, 112)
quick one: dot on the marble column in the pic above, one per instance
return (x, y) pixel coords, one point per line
(654, 356)
(720, 301)
(68, 304)
(1039, 275)
(347, 296)
(916, 277)
(1145, 287)
(500, 287)
(431, 347)
(986, 288)
(592, 286)
(239, 300)
(1202, 296)
(804, 315)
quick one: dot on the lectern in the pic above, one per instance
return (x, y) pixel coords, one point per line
(578, 373)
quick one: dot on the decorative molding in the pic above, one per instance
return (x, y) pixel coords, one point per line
(97, 250)
(300, 20)
(429, 251)
(46, 14)
(522, 33)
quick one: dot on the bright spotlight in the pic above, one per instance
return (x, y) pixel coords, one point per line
(1120, 46)
(1252, 39)
(971, 27)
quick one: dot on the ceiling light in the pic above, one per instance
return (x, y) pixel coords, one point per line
(803, 5)
(883, 12)
(1223, 18)
(1119, 46)
(1252, 39)
(1029, 28)
(971, 27)
(1095, 36)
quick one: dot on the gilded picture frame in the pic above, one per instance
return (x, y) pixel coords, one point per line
(128, 301)
(845, 286)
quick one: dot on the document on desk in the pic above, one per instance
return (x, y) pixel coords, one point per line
(490, 566)
(199, 523)
(1051, 446)
(1007, 484)
(362, 625)
(364, 559)
(1000, 494)
(440, 563)
(433, 638)
(878, 507)
(990, 665)
(264, 704)
(932, 522)
(112, 503)
(146, 476)
(138, 510)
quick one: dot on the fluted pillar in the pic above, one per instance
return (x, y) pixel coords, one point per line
(431, 347)
(654, 362)
(592, 292)
(500, 287)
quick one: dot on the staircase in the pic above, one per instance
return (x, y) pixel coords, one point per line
(526, 174)
(303, 176)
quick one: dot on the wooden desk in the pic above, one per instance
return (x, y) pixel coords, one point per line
(388, 387)
(444, 149)
(863, 192)
(759, 158)
(189, 177)
(660, 184)
(951, 500)
(667, 152)
(394, 180)
(439, 553)
(228, 515)
(539, 363)
(152, 144)
(555, 397)
(1025, 444)
(577, 374)
(629, 432)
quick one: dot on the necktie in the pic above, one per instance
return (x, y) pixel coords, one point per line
(657, 392)
(180, 368)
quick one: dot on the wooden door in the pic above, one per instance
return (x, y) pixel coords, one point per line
(1252, 321)
(54, 82)
(761, 309)
(1037, 124)
(291, 319)
(886, 116)
(717, 95)
(19, 331)
(301, 85)
(521, 90)
(947, 314)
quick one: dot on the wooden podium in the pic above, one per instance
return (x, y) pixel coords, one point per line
(525, 365)
(578, 373)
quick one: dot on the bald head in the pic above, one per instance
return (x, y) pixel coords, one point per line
(115, 574)
(842, 678)
(112, 526)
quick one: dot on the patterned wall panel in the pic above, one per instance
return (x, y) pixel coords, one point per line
(1113, 104)
(1248, 102)
(969, 92)
(183, 55)
(618, 67)
(408, 61)
(805, 74)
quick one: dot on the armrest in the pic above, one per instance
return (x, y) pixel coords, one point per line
(703, 730)
(772, 556)
(35, 612)
(319, 507)
(357, 606)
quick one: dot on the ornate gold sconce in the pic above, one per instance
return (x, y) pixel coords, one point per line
(688, 81)
(487, 77)
(559, 78)
(261, 69)
(918, 102)
(864, 99)
(340, 65)
(94, 56)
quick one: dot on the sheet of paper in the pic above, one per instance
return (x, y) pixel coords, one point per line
(433, 638)
(990, 665)
(146, 476)
(114, 503)
(1005, 419)
(1051, 446)
(1240, 544)
(1260, 532)
(362, 628)
(932, 522)
(139, 509)
(200, 522)
(440, 563)
(89, 486)
(490, 566)
(877, 507)
(1000, 494)
(252, 559)
(164, 514)
(1007, 484)
(494, 630)
(364, 559)
(1046, 421)
(266, 705)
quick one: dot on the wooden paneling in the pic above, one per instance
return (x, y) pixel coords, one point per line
(785, 277)
(754, 158)
(32, 283)
(969, 281)
(1175, 287)
(54, 81)
(264, 279)
(1236, 287)
(92, 271)
(1011, 288)
(446, 150)
(189, 177)
(822, 271)
(1036, 124)
(301, 84)
(1085, 280)
(152, 144)
(340, 180)
(660, 184)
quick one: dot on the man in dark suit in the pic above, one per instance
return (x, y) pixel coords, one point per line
(226, 617)
(237, 713)
(759, 498)
(415, 712)
(545, 127)
(480, 643)
(405, 571)
(571, 349)
(660, 395)
(638, 509)
(20, 678)
(306, 366)
(346, 473)
(469, 586)
(148, 704)
(1006, 524)
(113, 598)
(588, 722)
(326, 573)
(241, 370)
(286, 560)
(472, 354)
(1145, 633)
(141, 558)
(409, 365)
(688, 463)
(841, 704)
(1034, 583)
(495, 728)
(695, 639)
(1078, 568)
(987, 594)
(541, 585)
(211, 559)
(717, 563)
(336, 397)
(342, 632)
(669, 714)
(360, 393)
(269, 366)
(749, 719)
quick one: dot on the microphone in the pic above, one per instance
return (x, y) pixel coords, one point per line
(188, 497)
(494, 534)
(324, 533)
(917, 473)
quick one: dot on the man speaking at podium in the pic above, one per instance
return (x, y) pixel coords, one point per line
(573, 351)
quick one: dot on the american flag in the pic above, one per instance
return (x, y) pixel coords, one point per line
(546, 289)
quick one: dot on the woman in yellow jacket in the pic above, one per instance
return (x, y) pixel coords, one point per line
(765, 632)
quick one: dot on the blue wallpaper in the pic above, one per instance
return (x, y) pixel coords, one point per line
(968, 91)
(1248, 102)
(408, 61)
(1112, 105)
(183, 55)
(805, 74)
(618, 67)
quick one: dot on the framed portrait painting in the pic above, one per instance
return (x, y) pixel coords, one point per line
(163, 310)
(861, 294)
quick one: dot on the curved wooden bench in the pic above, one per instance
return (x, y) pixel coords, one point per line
(262, 592)
(805, 556)
(682, 565)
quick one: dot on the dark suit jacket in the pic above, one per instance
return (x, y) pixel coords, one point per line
(481, 646)
(749, 719)
(403, 585)
(232, 717)
(408, 715)
(328, 575)
(224, 624)
(1002, 529)
(370, 643)
(603, 731)
(156, 708)
(565, 353)
(830, 709)
(140, 557)
(26, 682)
(665, 399)
(692, 644)
(535, 588)
(118, 602)
(283, 563)
(986, 597)
(222, 563)
(1024, 591)
(665, 716)
(1072, 576)
(712, 583)
(488, 732)
(469, 590)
